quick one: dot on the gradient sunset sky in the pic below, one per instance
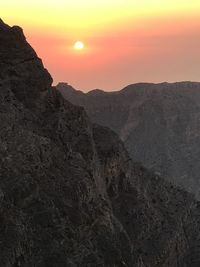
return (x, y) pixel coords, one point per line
(126, 41)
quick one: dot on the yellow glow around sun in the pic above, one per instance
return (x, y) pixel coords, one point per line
(86, 19)
(77, 17)
(79, 45)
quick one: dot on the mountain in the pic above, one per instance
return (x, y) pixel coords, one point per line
(69, 193)
(159, 124)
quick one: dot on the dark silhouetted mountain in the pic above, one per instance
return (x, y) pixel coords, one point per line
(69, 193)
(159, 123)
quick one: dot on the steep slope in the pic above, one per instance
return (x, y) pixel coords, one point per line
(159, 124)
(69, 193)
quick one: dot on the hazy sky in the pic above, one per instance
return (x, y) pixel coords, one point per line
(126, 41)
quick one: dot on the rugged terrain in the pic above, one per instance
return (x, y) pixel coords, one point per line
(159, 124)
(69, 193)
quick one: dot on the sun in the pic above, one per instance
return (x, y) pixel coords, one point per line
(79, 45)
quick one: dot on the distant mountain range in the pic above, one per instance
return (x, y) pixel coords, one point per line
(159, 124)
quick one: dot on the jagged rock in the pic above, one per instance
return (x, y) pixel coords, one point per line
(159, 124)
(69, 193)
(18, 60)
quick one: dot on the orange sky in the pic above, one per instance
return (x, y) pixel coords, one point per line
(126, 41)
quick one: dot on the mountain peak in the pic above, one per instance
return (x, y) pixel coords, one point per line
(65, 86)
(3, 25)
(96, 92)
(20, 65)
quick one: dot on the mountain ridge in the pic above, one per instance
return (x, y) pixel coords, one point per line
(129, 86)
(159, 124)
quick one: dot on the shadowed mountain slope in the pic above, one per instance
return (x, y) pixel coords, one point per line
(69, 193)
(159, 124)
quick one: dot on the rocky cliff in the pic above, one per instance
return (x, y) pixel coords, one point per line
(159, 124)
(69, 193)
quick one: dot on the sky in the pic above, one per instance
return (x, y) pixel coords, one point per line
(125, 41)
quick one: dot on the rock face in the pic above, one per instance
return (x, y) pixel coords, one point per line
(69, 193)
(159, 124)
